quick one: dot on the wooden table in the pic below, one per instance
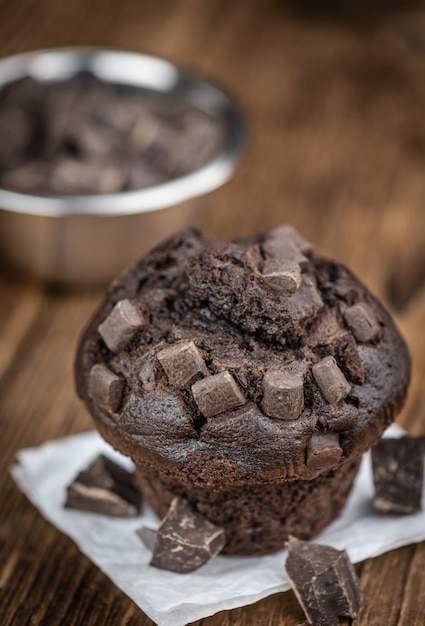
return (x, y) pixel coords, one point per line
(336, 101)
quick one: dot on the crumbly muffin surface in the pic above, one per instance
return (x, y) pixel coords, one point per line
(254, 361)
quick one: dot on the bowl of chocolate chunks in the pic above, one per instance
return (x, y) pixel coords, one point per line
(104, 153)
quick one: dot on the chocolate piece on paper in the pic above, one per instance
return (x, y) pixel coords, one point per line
(147, 536)
(121, 325)
(362, 321)
(104, 488)
(398, 466)
(185, 540)
(324, 582)
(105, 387)
(282, 275)
(332, 382)
(283, 394)
(323, 451)
(182, 363)
(217, 393)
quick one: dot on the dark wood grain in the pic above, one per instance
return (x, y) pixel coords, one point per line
(335, 97)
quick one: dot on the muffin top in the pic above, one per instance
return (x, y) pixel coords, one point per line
(253, 361)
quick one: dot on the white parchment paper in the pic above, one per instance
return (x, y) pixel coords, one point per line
(226, 582)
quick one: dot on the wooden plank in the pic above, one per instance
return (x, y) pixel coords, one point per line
(18, 310)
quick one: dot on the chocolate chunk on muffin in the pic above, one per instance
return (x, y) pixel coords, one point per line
(247, 378)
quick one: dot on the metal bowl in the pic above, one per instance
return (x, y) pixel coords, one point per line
(89, 238)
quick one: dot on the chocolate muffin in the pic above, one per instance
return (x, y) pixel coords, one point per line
(248, 378)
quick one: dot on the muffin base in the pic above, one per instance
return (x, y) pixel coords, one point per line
(258, 519)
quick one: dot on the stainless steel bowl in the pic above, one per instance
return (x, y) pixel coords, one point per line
(88, 239)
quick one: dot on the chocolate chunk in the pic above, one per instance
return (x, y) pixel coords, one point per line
(145, 130)
(305, 303)
(105, 387)
(347, 354)
(121, 325)
(323, 451)
(286, 243)
(282, 275)
(283, 394)
(28, 178)
(182, 363)
(398, 466)
(15, 134)
(324, 582)
(71, 176)
(362, 321)
(147, 535)
(140, 175)
(185, 540)
(217, 393)
(104, 488)
(332, 382)
(288, 233)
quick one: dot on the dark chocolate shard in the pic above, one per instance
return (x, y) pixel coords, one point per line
(324, 582)
(29, 177)
(398, 466)
(283, 394)
(217, 393)
(288, 235)
(185, 540)
(147, 536)
(285, 243)
(104, 488)
(70, 176)
(362, 321)
(121, 325)
(282, 275)
(323, 451)
(105, 387)
(305, 303)
(347, 354)
(182, 363)
(15, 135)
(332, 382)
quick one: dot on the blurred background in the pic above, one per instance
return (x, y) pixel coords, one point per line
(334, 95)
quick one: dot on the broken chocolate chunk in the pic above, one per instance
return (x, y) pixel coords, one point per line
(324, 582)
(288, 235)
(15, 135)
(182, 363)
(105, 387)
(121, 325)
(305, 303)
(185, 540)
(104, 488)
(217, 393)
(283, 394)
(147, 536)
(323, 451)
(282, 275)
(285, 243)
(332, 382)
(103, 176)
(362, 321)
(398, 466)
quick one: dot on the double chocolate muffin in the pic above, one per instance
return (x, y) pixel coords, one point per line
(248, 378)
